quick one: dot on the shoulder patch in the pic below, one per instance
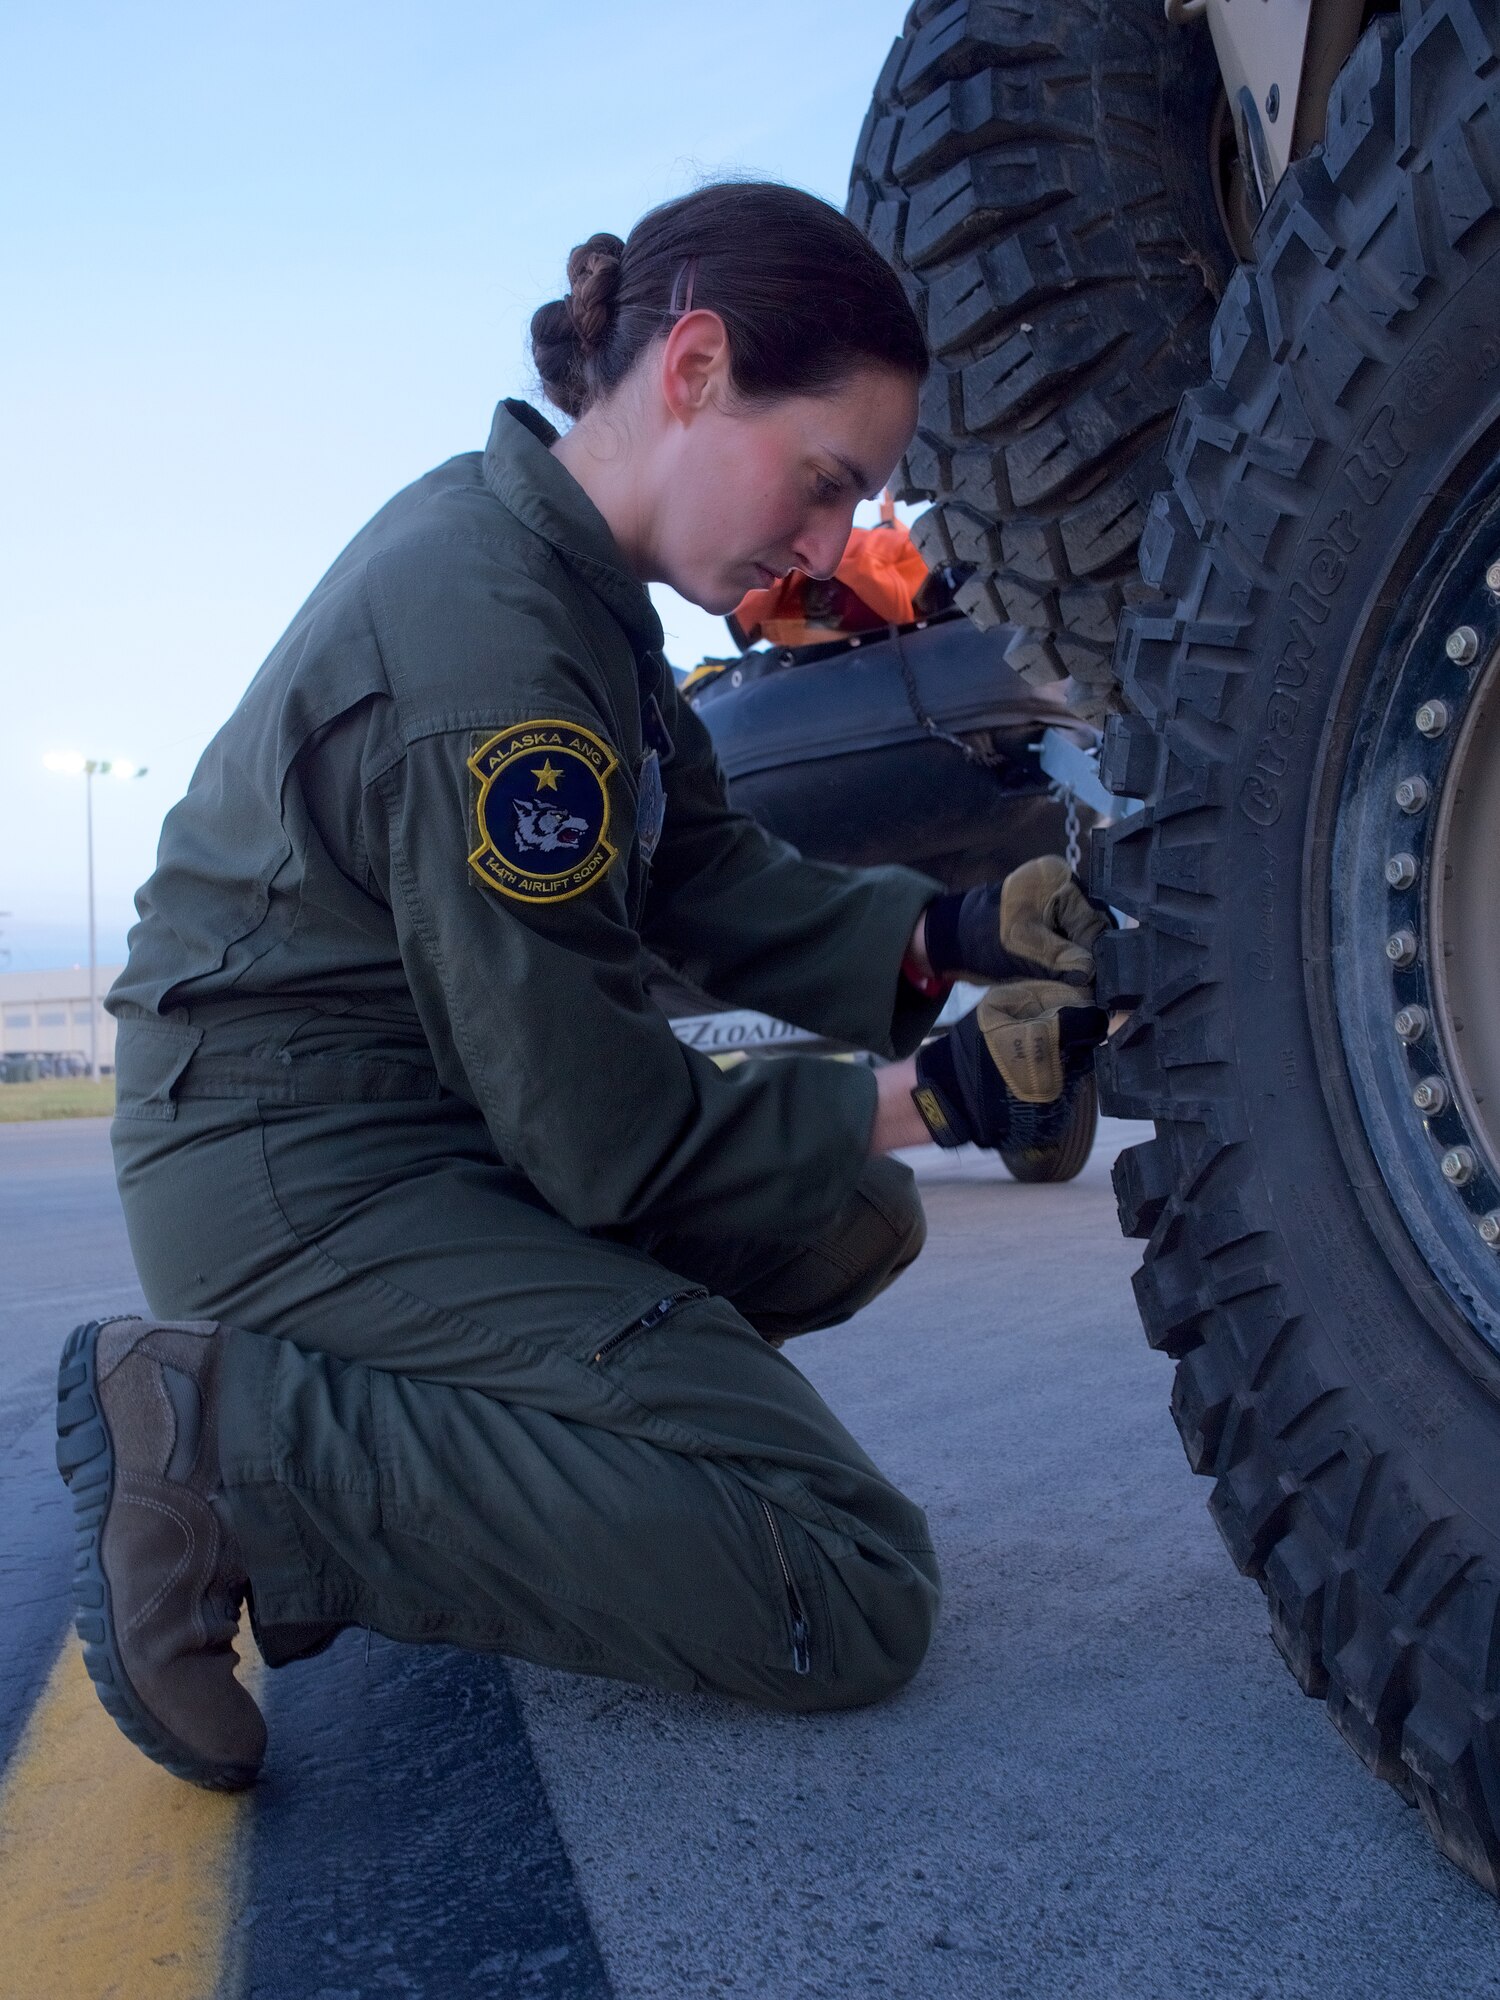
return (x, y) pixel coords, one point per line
(542, 811)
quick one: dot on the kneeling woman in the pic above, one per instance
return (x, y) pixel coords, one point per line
(486, 1274)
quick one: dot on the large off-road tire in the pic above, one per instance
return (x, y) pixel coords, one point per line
(1038, 171)
(1317, 735)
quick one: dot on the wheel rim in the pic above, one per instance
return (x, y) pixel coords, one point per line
(1464, 913)
(1416, 913)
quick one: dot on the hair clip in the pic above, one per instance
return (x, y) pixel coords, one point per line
(682, 289)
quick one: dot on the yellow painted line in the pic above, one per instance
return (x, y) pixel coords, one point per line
(117, 1881)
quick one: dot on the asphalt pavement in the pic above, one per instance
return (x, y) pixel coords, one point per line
(1103, 1783)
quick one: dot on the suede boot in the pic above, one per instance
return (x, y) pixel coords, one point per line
(158, 1582)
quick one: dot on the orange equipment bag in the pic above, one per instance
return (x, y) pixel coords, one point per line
(875, 585)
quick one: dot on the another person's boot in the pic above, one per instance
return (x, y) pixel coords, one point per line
(158, 1582)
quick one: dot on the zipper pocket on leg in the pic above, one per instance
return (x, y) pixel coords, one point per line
(652, 1316)
(801, 1638)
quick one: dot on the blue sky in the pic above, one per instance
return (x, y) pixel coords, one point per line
(263, 265)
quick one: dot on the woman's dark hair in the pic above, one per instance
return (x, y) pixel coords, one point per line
(804, 297)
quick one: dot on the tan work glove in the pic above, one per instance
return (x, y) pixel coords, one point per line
(1027, 1042)
(1027, 1037)
(1037, 923)
(1047, 920)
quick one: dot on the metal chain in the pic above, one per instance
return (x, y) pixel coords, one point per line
(1073, 851)
(914, 701)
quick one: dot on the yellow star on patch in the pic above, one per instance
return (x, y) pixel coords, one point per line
(547, 776)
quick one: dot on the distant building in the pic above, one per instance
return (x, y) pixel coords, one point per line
(47, 1013)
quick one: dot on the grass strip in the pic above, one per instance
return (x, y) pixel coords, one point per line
(57, 1097)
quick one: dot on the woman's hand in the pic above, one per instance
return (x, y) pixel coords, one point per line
(897, 1119)
(1036, 924)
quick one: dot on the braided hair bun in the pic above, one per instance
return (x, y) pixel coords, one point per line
(594, 278)
(567, 333)
(803, 296)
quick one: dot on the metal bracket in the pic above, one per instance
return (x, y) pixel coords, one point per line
(1074, 768)
(1278, 59)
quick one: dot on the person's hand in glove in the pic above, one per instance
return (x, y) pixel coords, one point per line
(1036, 924)
(1031, 1040)
(1028, 1043)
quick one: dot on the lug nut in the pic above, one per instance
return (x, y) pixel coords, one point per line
(1489, 1228)
(1459, 1166)
(1461, 645)
(1401, 870)
(1411, 1023)
(1430, 1096)
(1411, 794)
(1401, 947)
(1492, 578)
(1432, 718)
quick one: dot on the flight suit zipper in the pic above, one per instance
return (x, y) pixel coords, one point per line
(801, 1638)
(652, 1316)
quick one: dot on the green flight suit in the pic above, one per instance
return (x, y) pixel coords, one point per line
(499, 1253)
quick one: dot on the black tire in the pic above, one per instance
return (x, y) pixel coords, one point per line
(1065, 1156)
(1334, 1379)
(1037, 170)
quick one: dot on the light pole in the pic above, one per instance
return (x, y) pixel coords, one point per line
(88, 768)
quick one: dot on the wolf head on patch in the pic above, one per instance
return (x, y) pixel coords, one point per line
(544, 828)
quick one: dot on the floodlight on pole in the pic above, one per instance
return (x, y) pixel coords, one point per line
(69, 764)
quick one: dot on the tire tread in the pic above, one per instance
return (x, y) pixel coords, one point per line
(1018, 167)
(1384, 1604)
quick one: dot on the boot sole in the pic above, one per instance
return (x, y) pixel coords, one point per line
(86, 1460)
